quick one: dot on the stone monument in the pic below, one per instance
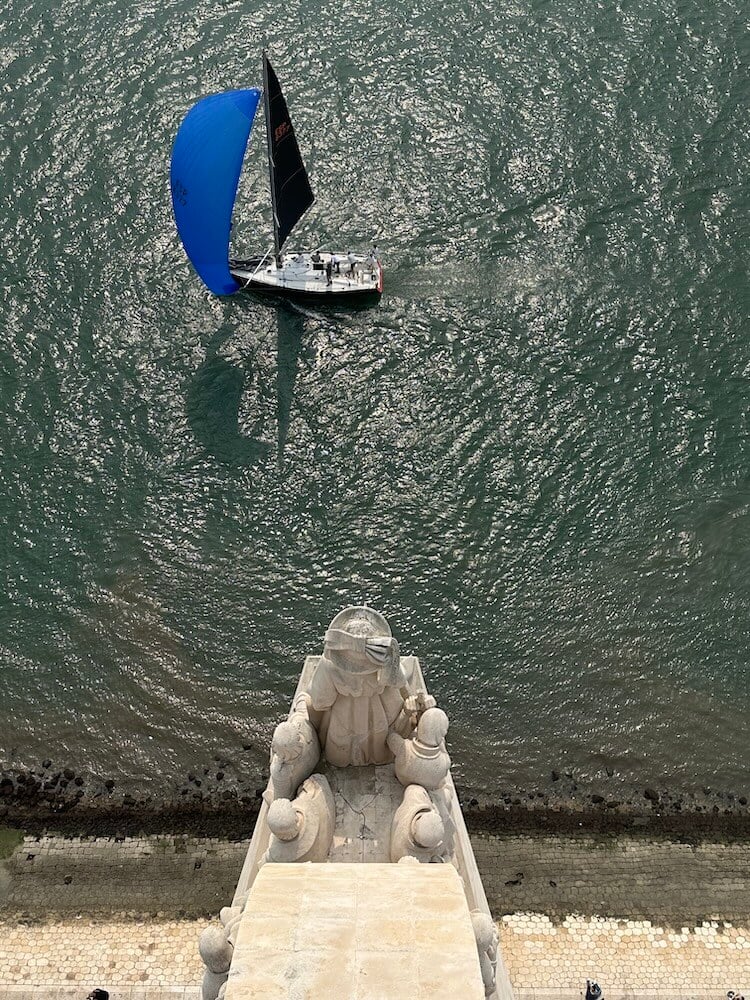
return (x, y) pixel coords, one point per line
(418, 830)
(360, 846)
(295, 752)
(302, 830)
(355, 693)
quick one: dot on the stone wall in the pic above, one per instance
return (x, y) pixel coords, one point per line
(164, 876)
(668, 883)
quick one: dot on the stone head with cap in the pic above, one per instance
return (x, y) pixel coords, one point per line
(287, 742)
(432, 727)
(427, 829)
(359, 640)
(284, 821)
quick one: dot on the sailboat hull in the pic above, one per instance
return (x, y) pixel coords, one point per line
(312, 277)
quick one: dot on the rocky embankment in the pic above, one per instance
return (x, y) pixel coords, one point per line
(222, 798)
(217, 799)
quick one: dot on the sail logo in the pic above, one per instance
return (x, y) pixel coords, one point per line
(281, 131)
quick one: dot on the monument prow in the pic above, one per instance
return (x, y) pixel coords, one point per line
(360, 879)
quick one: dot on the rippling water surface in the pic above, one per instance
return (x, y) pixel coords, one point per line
(532, 456)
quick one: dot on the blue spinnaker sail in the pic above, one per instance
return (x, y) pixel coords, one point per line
(206, 162)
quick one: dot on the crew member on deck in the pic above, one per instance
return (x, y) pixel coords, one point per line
(335, 262)
(329, 268)
(352, 263)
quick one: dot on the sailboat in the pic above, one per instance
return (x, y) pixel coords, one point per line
(207, 158)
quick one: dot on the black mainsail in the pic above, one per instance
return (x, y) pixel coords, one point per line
(291, 194)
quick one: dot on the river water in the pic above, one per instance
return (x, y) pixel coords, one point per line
(532, 455)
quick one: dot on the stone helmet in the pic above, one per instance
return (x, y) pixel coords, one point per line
(359, 640)
(361, 621)
(287, 741)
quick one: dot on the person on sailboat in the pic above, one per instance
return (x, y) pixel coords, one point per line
(336, 263)
(329, 270)
(352, 264)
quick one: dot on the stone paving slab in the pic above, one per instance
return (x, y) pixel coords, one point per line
(683, 927)
(624, 956)
(60, 992)
(86, 953)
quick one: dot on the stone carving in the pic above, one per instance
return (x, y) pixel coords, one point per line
(488, 941)
(412, 710)
(418, 830)
(356, 689)
(216, 952)
(302, 830)
(423, 759)
(295, 752)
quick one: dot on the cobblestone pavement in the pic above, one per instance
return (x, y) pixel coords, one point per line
(648, 919)
(625, 956)
(89, 953)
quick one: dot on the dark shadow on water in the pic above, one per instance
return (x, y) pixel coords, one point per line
(289, 330)
(215, 392)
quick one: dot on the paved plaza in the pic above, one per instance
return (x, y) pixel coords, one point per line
(649, 920)
(630, 958)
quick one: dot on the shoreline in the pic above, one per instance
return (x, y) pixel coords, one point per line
(221, 801)
(233, 823)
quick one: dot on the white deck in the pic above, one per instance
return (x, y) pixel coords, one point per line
(298, 273)
(356, 932)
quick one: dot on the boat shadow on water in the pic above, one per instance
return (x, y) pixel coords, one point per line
(215, 395)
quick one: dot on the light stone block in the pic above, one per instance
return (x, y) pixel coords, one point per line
(356, 932)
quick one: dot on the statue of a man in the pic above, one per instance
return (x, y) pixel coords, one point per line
(295, 752)
(423, 759)
(302, 830)
(417, 830)
(358, 688)
(487, 938)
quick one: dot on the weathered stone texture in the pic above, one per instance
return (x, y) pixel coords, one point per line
(170, 875)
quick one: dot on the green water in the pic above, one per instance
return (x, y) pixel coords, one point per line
(532, 456)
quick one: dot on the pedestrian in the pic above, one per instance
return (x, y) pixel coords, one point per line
(98, 994)
(593, 990)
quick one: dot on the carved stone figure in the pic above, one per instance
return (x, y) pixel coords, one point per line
(488, 940)
(230, 917)
(295, 752)
(216, 952)
(302, 830)
(355, 691)
(417, 829)
(412, 710)
(423, 759)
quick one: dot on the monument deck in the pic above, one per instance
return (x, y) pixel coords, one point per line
(355, 932)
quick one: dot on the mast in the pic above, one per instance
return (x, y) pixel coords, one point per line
(271, 177)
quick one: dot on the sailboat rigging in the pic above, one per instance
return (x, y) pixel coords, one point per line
(207, 158)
